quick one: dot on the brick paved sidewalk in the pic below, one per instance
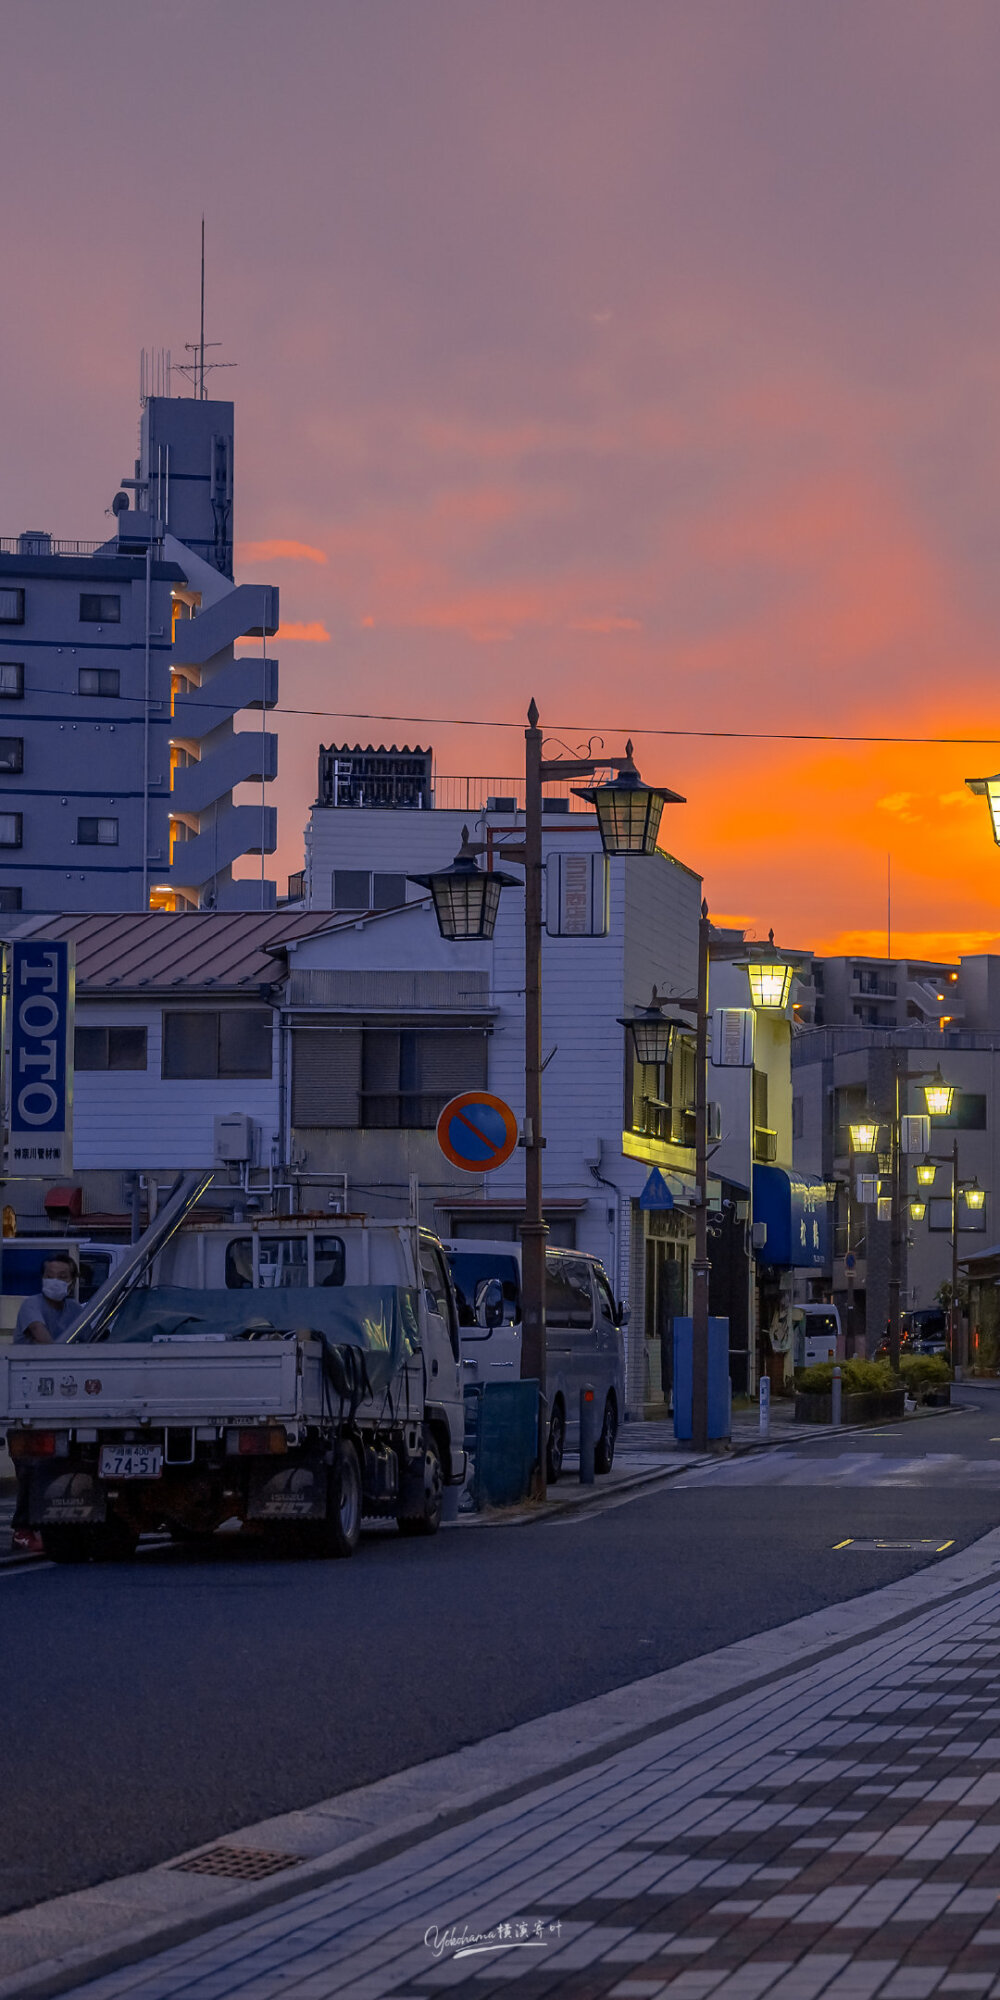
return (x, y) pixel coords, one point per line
(835, 1833)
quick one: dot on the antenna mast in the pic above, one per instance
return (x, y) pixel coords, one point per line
(201, 336)
(198, 367)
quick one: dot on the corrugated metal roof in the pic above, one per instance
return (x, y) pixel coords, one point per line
(166, 950)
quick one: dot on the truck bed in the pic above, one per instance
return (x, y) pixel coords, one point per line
(192, 1382)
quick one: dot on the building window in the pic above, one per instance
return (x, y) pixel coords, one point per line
(396, 1078)
(10, 900)
(10, 829)
(110, 1048)
(357, 889)
(203, 1043)
(99, 680)
(95, 610)
(11, 607)
(798, 1119)
(11, 755)
(11, 680)
(97, 832)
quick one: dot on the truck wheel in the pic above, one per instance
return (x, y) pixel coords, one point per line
(340, 1533)
(106, 1541)
(68, 1545)
(604, 1450)
(556, 1445)
(429, 1520)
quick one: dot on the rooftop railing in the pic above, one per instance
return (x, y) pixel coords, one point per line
(453, 794)
(46, 545)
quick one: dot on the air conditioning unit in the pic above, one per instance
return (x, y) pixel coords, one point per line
(233, 1138)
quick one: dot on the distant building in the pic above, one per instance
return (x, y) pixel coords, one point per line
(875, 992)
(118, 689)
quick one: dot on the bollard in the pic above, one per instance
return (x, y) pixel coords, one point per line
(588, 1410)
(835, 1397)
(765, 1407)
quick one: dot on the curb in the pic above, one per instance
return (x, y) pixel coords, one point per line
(141, 1915)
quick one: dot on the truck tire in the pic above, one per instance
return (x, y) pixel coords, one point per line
(340, 1533)
(68, 1545)
(604, 1451)
(107, 1541)
(428, 1521)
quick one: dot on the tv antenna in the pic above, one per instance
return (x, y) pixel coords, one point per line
(198, 368)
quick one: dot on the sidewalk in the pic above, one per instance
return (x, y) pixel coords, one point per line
(811, 1814)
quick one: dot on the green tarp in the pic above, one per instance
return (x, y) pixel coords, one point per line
(380, 1319)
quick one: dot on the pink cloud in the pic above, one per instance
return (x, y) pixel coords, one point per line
(278, 551)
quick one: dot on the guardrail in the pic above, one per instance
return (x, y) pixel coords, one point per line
(46, 545)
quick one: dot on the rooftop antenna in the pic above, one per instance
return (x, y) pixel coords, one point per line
(199, 368)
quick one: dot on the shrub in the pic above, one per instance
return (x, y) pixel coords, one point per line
(921, 1371)
(858, 1378)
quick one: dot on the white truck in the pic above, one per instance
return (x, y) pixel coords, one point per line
(288, 1375)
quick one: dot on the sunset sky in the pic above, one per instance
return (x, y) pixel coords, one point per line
(640, 356)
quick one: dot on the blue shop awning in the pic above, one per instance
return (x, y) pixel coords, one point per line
(796, 1211)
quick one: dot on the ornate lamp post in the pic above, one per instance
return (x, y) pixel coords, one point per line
(628, 819)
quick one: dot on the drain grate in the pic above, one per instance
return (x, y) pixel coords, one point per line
(241, 1864)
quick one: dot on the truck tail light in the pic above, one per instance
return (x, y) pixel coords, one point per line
(31, 1444)
(263, 1438)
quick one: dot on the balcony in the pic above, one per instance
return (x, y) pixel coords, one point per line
(248, 611)
(249, 757)
(240, 830)
(872, 986)
(239, 684)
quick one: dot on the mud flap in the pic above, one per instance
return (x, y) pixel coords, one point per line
(287, 1492)
(65, 1498)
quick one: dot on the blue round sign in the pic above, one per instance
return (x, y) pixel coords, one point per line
(477, 1132)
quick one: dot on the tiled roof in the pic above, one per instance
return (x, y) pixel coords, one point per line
(164, 950)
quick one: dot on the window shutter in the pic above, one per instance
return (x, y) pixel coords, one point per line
(326, 1076)
(450, 1062)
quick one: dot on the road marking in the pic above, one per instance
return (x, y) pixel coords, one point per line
(844, 1545)
(881, 1544)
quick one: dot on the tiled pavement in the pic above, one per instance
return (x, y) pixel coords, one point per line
(835, 1833)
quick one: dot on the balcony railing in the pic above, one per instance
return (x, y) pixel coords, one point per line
(46, 545)
(453, 794)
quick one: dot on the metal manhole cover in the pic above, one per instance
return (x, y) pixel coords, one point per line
(242, 1864)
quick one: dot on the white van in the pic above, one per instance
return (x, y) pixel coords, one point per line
(583, 1326)
(816, 1334)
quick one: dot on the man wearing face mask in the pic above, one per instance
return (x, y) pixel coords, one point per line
(46, 1317)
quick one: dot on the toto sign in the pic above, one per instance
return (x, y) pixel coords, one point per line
(40, 993)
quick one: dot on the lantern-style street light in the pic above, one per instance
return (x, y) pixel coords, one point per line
(864, 1135)
(652, 1035)
(989, 789)
(918, 1209)
(770, 977)
(938, 1095)
(974, 1195)
(926, 1170)
(465, 899)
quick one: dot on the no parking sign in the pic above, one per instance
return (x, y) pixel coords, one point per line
(477, 1132)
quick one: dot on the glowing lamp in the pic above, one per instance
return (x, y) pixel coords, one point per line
(989, 788)
(925, 1173)
(770, 978)
(864, 1135)
(466, 897)
(938, 1095)
(628, 812)
(918, 1209)
(974, 1196)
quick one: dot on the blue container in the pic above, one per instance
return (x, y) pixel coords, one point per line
(501, 1437)
(719, 1396)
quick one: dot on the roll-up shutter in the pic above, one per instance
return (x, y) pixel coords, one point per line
(326, 1076)
(451, 1062)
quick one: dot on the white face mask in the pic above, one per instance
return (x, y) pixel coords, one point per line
(55, 1289)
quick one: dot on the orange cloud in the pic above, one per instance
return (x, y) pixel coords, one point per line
(315, 632)
(252, 552)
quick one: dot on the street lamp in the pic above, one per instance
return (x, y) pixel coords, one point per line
(628, 812)
(989, 788)
(864, 1135)
(770, 978)
(651, 1034)
(975, 1196)
(918, 1209)
(628, 819)
(926, 1170)
(938, 1095)
(466, 897)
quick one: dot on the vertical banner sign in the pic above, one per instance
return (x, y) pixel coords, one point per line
(40, 1001)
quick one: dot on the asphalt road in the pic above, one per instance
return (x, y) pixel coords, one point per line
(161, 1704)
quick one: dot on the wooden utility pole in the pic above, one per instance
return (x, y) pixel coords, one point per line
(701, 1267)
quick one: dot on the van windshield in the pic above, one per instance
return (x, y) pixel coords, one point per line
(814, 1325)
(470, 1267)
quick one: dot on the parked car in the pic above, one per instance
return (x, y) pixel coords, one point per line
(584, 1345)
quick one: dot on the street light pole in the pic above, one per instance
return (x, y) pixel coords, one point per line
(953, 1309)
(702, 1267)
(533, 1229)
(896, 1241)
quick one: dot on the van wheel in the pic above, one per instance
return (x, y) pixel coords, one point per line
(339, 1533)
(428, 1521)
(604, 1450)
(556, 1445)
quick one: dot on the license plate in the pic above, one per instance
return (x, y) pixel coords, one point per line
(131, 1461)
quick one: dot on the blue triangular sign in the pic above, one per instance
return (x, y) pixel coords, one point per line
(656, 1193)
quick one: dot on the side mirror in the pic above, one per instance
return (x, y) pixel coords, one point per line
(489, 1302)
(624, 1312)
